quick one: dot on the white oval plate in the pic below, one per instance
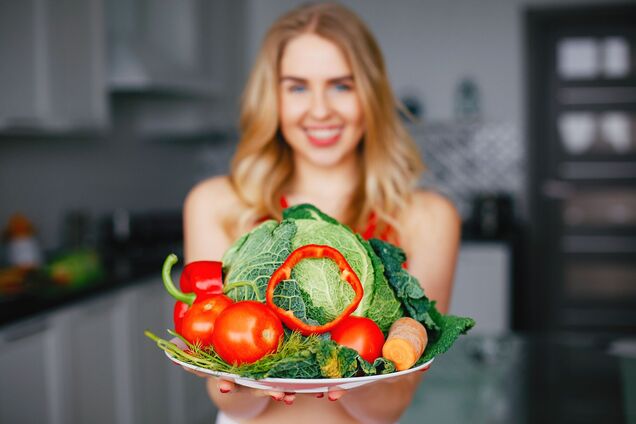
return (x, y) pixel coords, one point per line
(298, 385)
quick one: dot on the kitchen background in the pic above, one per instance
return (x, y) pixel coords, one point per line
(111, 110)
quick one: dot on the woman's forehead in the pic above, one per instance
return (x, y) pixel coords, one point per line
(310, 56)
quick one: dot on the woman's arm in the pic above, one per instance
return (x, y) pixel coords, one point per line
(430, 239)
(379, 403)
(205, 239)
(203, 234)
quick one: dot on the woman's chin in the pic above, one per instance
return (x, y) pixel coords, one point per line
(325, 159)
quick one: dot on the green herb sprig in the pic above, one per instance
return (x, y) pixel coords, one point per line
(293, 344)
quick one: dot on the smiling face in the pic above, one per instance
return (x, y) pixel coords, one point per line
(320, 112)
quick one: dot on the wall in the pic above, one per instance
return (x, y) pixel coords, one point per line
(46, 177)
(430, 44)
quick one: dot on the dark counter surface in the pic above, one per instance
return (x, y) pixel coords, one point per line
(48, 297)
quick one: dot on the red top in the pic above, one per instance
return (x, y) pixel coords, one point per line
(369, 231)
(366, 234)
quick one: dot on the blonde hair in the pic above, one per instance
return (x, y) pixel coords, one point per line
(263, 161)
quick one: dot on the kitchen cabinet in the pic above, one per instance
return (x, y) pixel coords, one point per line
(168, 46)
(27, 393)
(482, 286)
(52, 77)
(90, 358)
(162, 391)
(175, 64)
(66, 63)
(90, 362)
(144, 308)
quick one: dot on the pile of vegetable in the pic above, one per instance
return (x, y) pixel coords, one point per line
(306, 298)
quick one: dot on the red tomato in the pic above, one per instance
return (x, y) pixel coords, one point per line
(245, 332)
(198, 322)
(361, 334)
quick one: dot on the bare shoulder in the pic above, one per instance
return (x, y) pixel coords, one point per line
(430, 236)
(428, 207)
(429, 219)
(213, 195)
(206, 211)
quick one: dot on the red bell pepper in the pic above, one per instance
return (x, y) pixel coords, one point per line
(199, 280)
(284, 273)
(202, 277)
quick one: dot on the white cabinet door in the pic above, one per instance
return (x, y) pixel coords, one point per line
(25, 395)
(90, 358)
(179, 47)
(146, 309)
(482, 286)
(52, 74)
(186, 53)
(163, 392)
(91, 363)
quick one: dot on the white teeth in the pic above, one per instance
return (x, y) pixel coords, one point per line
(323, 134)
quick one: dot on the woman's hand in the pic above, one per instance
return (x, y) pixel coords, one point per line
(229, 387)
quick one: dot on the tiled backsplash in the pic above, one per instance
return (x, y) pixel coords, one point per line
(464, 159)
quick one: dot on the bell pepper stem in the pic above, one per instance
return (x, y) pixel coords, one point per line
(187, 298)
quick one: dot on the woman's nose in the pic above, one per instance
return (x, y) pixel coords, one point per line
(319, 108)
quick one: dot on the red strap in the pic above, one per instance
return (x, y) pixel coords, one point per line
(283, 202)
(372, 224)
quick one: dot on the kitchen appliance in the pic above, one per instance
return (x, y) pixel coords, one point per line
(135, 242)
(492, 216)
(582, 168)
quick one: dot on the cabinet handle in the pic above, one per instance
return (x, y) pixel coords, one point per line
(26, 329)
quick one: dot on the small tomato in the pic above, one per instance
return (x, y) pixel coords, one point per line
(197, 325)
(245, 332)
(361, 334)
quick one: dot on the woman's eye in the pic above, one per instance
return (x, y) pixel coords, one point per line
(342, 87)
(296, 88)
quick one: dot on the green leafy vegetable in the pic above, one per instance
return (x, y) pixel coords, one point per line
(249, 263)
(336, 361)
(316, 294)
(406, 287)
(451, 327)
(385, 307)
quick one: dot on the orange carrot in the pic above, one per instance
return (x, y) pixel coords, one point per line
(406, 343)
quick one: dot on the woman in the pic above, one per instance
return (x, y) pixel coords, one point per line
(319, 125)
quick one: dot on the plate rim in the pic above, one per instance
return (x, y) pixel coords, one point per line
(303, 381)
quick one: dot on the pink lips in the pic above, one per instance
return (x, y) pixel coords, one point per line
(324, 142)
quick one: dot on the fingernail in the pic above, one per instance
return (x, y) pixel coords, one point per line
(288, 402)
(222, 390)
(320, 395)
(332, 398)
(276, 398)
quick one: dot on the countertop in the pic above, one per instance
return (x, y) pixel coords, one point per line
(127, 271)
(35, 302)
